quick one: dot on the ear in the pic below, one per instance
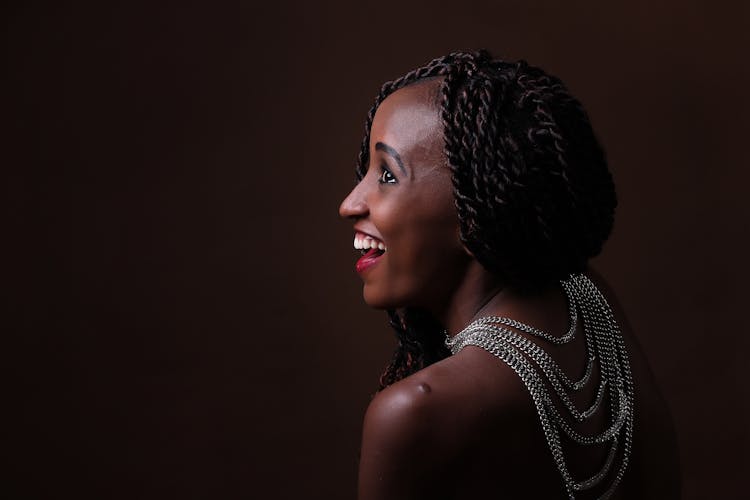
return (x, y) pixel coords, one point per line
(468, 252)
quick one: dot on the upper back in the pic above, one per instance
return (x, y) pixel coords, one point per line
(468, 424)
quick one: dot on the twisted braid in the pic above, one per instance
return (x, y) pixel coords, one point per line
(534, 197)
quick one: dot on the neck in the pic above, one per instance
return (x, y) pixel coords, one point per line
(476, 293)
(480, 294)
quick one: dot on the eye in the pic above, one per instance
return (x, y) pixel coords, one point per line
(386, 176)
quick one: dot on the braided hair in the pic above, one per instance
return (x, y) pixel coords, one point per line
(534, 197)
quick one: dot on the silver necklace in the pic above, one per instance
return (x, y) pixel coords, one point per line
(537, 370)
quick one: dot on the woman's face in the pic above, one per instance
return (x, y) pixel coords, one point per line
(405, 205)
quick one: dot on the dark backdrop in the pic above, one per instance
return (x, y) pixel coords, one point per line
(183, 319)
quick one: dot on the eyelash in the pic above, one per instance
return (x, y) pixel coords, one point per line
(386, 172)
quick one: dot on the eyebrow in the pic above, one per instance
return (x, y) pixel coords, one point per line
(381, 146)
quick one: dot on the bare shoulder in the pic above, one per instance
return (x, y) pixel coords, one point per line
(398, 455)
(456, 390)
(399, 415)
(417, 429)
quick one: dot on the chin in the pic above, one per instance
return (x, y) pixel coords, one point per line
(377, 302)
(377, 299)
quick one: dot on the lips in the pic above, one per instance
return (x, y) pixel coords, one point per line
(371, 247)
(369, 259)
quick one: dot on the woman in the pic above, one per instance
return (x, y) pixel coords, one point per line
(482, 195)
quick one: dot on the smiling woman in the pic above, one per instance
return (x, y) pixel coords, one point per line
(405, 202)
(482, 195)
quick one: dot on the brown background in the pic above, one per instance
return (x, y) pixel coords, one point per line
(183, 318)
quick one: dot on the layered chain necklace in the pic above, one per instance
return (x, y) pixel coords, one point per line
(538, 371)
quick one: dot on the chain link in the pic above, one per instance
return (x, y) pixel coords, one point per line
(537, 370)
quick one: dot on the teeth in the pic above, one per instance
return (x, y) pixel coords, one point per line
(363, 242)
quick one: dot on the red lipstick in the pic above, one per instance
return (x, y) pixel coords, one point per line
(369, 259)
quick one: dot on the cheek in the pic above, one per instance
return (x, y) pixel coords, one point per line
(428, 254)
(425, 258)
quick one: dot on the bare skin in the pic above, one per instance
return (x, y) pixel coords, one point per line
(465, 427)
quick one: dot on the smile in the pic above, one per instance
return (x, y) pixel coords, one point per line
(365, 242)
(372, 250)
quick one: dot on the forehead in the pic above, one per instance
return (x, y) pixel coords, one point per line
(409, 119)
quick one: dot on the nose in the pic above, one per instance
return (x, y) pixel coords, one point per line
(354, 205)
